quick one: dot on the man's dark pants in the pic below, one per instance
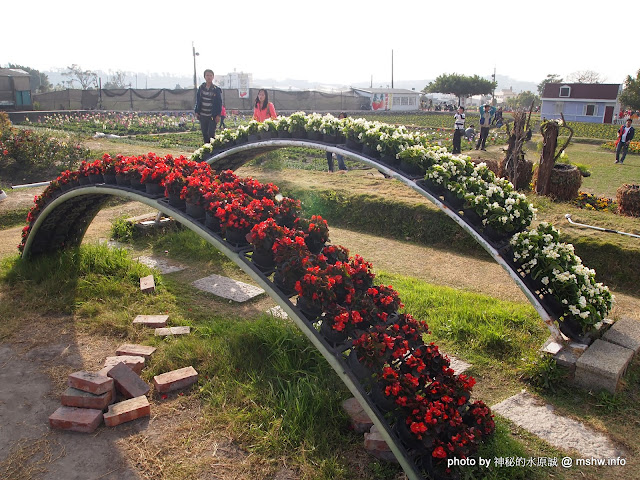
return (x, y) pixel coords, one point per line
(208, 127)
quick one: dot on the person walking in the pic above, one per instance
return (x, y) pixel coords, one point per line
(458, 130)
(340, 158)
(223, 115)
(208, 106)
(486, 116)
(263, 108)
(625, 135)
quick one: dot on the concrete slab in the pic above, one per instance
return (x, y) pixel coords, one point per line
(602, 366)
(626, 333)
(458, 366)
(360, 421)
(147, 284)
(161, 264)
(539, 418)
(551, 346)
(228, 288)
(375, 445)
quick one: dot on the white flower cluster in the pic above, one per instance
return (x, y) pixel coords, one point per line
(540, 254)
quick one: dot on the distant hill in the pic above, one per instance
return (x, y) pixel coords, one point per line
(166, 80)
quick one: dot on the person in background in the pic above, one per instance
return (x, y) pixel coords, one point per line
(208, 106)
(458, 131)
(498, 120)
(470, 133)
(223, 115)
(486, 116)
(340, 158)
(263, 108)
(625, 135)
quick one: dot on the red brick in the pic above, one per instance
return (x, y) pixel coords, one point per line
(153, 321)
(128, 383)
(127, 411)
(376, 446)
(175, 380)
(135, 350)
(360, 421)
(147, 284)
(84, 420)
(72, 397)
(91, 382)
(134, 362)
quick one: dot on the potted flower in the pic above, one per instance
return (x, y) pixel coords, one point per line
(314, 124)
(289, 253)
(268, 129)
(287, 211)
(108, 168)
(262, 238)
(298, 124)
(330, 129)
(252, 130)
(316, 231)
(282, 127)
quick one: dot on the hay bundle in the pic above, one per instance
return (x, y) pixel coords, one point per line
(564, 182)
(628, 198)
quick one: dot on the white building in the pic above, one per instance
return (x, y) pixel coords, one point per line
(238, 81)
(397, 99)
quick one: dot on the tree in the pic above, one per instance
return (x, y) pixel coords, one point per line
(38, 82)
(460, 85)
(551, 78)
(116, 80)
(523, 100)
(586, 76)
(86, 78)
(630, 96)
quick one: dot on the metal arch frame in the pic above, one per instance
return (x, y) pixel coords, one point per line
(332, 355)
(408, 181)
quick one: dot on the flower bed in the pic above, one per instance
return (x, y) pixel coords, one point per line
(407, 376)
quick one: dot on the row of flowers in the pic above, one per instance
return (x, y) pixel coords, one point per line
(431, 406)
(559, 272)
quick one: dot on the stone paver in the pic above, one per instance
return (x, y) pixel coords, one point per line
(164, 332)
(128, 383)
(72, 397)
(91, 382)
(152, 321)
(136, 350)
(84, 420)
(626, 333)
(161, 264)
(538, 418)
(175, 380)
(602, 366)
(134, 362)
(147, 284)
(127, 410)
(228, 288)
(457, 365)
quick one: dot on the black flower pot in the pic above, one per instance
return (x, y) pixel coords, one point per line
(381, 400)
(109, 178)
(96, 178)
(84, 181)
(283, 134)
(452, 200)
(405, 434)
(313, 135)
(353, 144)
(361, 371)
(308, 308)
(314, 245)
(286, 286)
(177, 202)
(332, 139)
(195, 211)
(212, 222)
(236, 236)
(370, 152)
(430, 186)
(154, 189)
(471, 217)
(263, 260)
(390, 160)
(123, 181)
(253, 137)
(331, 335)
(572, 329)
(410, 168)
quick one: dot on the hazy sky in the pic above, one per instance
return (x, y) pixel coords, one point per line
(338, 42)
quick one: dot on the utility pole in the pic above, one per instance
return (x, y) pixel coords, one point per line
(195, 77)
(392, 68)
(493, 91)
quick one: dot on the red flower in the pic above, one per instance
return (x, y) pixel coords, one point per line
(439, 453)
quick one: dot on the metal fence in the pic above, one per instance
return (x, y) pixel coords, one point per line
(149, 100)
